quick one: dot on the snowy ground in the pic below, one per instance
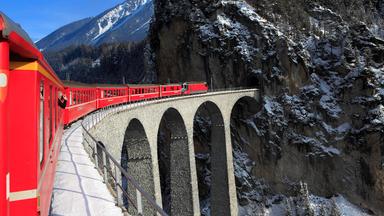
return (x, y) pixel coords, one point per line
(79, 188)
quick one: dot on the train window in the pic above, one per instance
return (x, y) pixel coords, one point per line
(50, 119)
(41, 126)
(70, 98)
(55, 109)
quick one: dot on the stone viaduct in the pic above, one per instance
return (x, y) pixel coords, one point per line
(155, 143)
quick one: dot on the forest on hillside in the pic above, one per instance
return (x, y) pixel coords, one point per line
(108, 63)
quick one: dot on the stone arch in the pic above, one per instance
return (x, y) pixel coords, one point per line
(136, 159)
(246, 147)
(211, 160)
(174, 167)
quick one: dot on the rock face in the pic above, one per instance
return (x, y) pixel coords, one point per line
(320, 66)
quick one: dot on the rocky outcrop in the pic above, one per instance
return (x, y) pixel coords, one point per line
(320, 67)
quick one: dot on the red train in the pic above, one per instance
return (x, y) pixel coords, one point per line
(83, 99)
(32, 121)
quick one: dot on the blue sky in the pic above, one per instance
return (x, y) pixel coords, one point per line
(41, 17)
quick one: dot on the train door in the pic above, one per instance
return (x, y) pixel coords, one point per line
(41, 124)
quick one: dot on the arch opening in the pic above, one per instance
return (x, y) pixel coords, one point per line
(137, 161)
(211, 160)
(247, 152)
(174, 167)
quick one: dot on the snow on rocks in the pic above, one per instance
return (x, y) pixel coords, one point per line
(298, 109)
(234, 30)
(313, 146)
(378, 115)
(328, 101)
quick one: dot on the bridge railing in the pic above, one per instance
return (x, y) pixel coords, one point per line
(227, 89)
(139, 201)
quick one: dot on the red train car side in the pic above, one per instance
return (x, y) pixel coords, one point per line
(111, 95)
(143, 92)
(31, 124)
(194, 87)
(81, 101)
(170, 90)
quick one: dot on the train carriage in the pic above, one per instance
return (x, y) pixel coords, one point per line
(81, 101)
(170, 90)
(143, 92)
(194, 87)
(112, 95)
(31, 124)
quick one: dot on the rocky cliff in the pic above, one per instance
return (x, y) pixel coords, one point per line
(318, 139)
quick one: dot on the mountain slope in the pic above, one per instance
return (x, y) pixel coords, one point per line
(58, 35)
(128, 21)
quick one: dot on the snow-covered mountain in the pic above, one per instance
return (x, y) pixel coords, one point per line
(128, 21)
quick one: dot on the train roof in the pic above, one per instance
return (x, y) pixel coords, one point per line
(138, 85)
(196, 82)
(87, 85)
(20, 44)
(7, 26)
